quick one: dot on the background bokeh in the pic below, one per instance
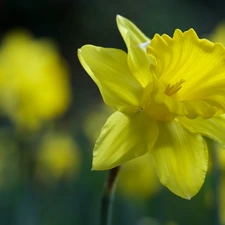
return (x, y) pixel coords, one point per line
(52, 112)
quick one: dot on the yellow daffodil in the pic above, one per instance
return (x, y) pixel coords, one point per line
(137, 177)
(34, 81)
(168, 92)
(58, 157)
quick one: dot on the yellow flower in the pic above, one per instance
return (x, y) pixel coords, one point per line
(167, 91)
(137, 177)
(218, 34)
(94, 119)
(58, 157)
(34, 84)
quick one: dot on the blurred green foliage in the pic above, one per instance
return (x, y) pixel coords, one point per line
(37, 189)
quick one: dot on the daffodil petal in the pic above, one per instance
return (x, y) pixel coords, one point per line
(126, 26)
(108, 68)
(213, 128)
(180, 159)
(123, 138)
(197, 108)
(198, 62)
(138, 60)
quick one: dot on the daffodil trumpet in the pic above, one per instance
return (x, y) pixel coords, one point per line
(168, 92)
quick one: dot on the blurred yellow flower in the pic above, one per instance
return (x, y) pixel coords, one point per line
(34, 82)
(218, 34)
(94, 119)
(58, 157)
(221, 159)
(138, 179)
(168, 92)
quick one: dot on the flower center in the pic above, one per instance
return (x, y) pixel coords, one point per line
(173, 89)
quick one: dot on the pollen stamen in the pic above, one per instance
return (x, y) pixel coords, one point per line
(173, 89)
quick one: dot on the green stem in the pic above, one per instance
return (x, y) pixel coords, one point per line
(108, 197)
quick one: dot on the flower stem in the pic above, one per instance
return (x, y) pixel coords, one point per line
(108, 197)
